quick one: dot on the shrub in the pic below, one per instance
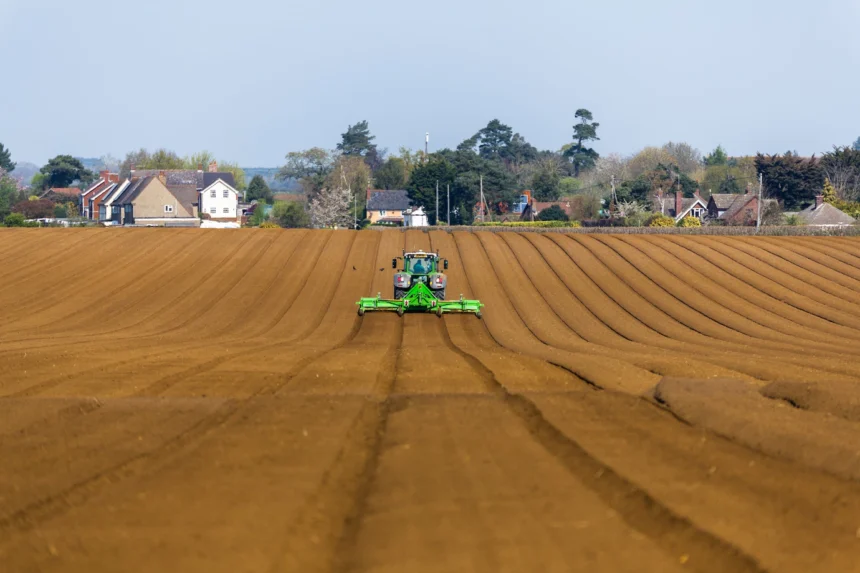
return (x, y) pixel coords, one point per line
(14, 220)
(533, 224)
(60, 211)
(689, 222)
(35, 209)
(553, 213)
(661, 220)
(793, 220)
(269, 225)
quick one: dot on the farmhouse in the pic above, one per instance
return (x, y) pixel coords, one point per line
(677, 206)
(387, 206)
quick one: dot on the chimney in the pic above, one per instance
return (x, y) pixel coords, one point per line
(113, 177)
(368, 194)
(698, 196)
(162, 176)
(213, 167)
(132, 170)
(819, 200)
(199, 168)
(678, 203)
(104, 175)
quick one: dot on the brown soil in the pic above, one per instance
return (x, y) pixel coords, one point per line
(187, 400)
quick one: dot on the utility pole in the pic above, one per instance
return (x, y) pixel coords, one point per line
(614, 196)
(436, 213)
(758, 211)
(482, 199)
(448, 220)
(426, 146)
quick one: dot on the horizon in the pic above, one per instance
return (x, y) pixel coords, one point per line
(663, 72)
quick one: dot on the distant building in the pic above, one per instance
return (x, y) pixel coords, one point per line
(62, 195)
(736, 208)
(387, 206)
(821, 214)
(416, 218)
(149, 201)
(94, 195)
(677, 206)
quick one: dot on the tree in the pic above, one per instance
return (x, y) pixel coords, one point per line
(259, 216)
(842, 167)
(63, 170)
(687, 158)
(60, 212)
(38, 209)
(259, 190)
(582, 157)
(717, 157)
(290, 214)
(545, 178)
(310, 168)
(330, 208)
(357, 141)
(494, 140)
(857, 144)
(6, 160)
(163, 159)
(422, 185)
(199, 160)
(791, 179)
(394, 174)
(730, 185)
(647, 160)
(237, 172)
(9, 193)
(829, 192)
(134, 159)
(353, 175)
(553, 213)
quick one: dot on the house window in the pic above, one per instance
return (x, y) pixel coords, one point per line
(168, 208)
(226, 194)
(212, 194)
(382, 213)
(213, 210)
(698, 212)
(226, 209)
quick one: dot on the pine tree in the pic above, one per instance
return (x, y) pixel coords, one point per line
(829, 192)
(6, 160)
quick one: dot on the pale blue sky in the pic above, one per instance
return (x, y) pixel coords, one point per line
(255, 79)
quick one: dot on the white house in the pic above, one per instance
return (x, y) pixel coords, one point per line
(219, 200)
(415, 218)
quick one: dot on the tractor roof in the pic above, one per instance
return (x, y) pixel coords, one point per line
(420, 255)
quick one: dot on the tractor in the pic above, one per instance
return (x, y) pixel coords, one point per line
(419, 287)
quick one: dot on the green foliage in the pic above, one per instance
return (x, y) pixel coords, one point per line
(290, 214)
(60, 212)
(63, 170)
(685, 156)
(661, 220)
(580, 156)
(269, 225)
(309, 167)
(848, 207)
(553, 213)
(6, 160)
(568, 186)
(394, 174)
(842, 167)
(716, 157)
(9, 194)
(258, 190)
(730, 185)
(358, 142)
(259, 216)
(546, 178)
(164, 159)
(534, 224)
(793, 220)
(856, 145)
(422, 186)
(829, 192)
(238, 173)
(792, 180)
(687, 222)
(14, 220)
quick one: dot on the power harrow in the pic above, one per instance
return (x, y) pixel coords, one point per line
(419, 287)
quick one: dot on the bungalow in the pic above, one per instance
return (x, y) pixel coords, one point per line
(387, 206)
(821, 214)
(737, 209)
(62, 195)
(148, 201)
(678, 206)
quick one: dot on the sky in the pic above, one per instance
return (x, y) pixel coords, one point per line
(252, 80)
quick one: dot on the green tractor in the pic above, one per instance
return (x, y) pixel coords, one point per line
(419, 287)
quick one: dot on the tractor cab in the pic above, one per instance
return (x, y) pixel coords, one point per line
(420, 263)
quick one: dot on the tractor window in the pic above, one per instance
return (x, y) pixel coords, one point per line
(421, 266)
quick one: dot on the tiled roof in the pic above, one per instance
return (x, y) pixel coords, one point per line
(134, 188)
(826, 214)
(70, 191)
(396, 200)
(724, 200)
(183, 177)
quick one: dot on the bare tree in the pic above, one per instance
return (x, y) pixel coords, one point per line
(330, 208)
(687, 157)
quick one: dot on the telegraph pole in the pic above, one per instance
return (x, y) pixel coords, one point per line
(448, 220)
(758, 211)
(437, 202)
(426, 146)
(482, 199)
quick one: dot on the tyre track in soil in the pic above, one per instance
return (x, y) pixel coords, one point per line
(513, 463)
(656, 358)
(134, 468)
(826, 251)
(810, 263)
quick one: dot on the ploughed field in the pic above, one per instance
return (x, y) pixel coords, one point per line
(189, 400)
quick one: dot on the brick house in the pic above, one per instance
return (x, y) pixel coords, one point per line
(149, 201)
(195, 189)
(92, 197)
(736, 208)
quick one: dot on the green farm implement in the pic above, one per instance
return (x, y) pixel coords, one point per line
(419, 287)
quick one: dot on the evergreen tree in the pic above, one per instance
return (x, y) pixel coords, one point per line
(717, 157)
(259, 190)
(63, 170)
(580, 156)
(6, 160)
(358, 141)
(829, 192)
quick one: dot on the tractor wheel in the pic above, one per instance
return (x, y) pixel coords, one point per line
(439, 294)
(400, 311)
(399, 293)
